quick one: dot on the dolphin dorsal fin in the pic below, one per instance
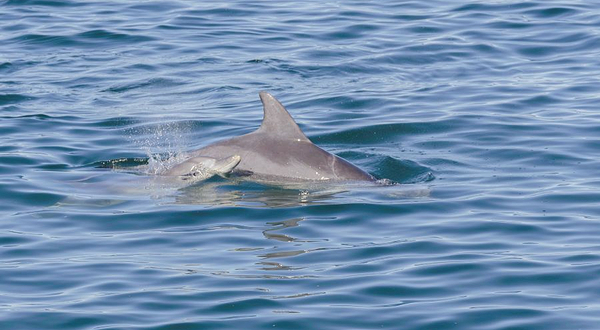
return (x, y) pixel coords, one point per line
(277, 121)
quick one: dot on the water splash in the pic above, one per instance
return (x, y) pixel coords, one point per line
(164, 143)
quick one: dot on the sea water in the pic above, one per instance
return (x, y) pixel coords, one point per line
(485, 113)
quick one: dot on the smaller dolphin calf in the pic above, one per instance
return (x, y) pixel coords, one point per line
(201, 168)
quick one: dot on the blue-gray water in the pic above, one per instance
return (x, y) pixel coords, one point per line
(486, 113)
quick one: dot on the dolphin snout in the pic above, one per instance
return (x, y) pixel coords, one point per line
(226, 165)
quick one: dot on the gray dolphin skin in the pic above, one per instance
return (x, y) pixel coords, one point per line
(279, 152)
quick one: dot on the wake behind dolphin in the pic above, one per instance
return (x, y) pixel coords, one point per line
(278, 152)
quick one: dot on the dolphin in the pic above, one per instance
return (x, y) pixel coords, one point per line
(277, 152)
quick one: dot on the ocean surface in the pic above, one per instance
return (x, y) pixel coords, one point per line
(484, 114)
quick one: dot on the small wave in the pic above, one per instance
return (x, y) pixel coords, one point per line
(389, 169)
(48, 3)
(552, 12)
(375, 134)
(7, 99)
(86, 39)
(112, 36)
(151, 83)
(45, 39)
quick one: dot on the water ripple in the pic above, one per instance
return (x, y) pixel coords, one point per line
(483, 114)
